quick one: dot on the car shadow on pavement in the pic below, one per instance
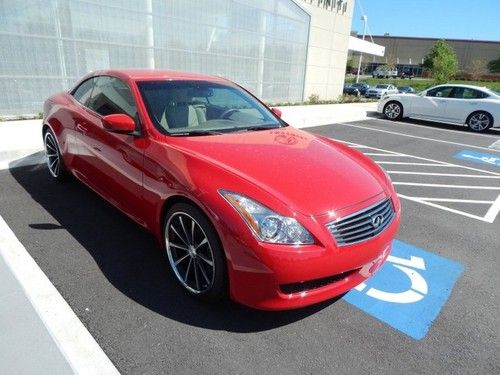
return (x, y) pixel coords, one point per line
(373, 114)
(131, 259)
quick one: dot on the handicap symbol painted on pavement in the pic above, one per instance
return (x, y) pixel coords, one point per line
(478, 157)
(410, 289)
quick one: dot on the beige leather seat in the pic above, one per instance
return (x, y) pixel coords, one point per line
(182, 115)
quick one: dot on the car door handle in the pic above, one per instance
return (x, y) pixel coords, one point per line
(81, 128)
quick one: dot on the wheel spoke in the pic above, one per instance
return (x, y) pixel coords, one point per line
(181, 259)
(203, 273)
(178, 235)
(187, 270)
(57, 167)
(201, 243)
(184, 230)
(195, 263)
(192, 231)
(177, 246)
(52, 163)
(50, 145)
(202, 257)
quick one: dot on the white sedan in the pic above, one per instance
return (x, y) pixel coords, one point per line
(476, 107)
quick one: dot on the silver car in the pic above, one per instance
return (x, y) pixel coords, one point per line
(381, 90)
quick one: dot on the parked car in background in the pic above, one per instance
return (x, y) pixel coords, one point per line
(244, 205)
(406, 74)
(476, 107)
(356, 89)
(380, 72)
(406, 90)
(380, 90)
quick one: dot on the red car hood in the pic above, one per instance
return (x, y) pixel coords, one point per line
(308, 174)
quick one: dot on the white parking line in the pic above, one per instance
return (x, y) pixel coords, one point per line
(377, 154)
(440, 174)
(454, 200)
(448, 186)
(495, 145)
(79, 348)
(423, 164)
(418, 137)
(401, 123)
(490, 215)
(488, 219)
(437, 163)
(493, 211)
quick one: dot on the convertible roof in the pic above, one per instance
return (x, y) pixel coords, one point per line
(154, 74)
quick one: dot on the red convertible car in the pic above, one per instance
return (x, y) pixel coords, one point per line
(244, 205)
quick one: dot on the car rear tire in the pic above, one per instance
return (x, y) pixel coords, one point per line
(195, 253)
(393, 111)
(479, 121)
(55, 163)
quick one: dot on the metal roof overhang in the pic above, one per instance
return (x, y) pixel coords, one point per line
(360, 45)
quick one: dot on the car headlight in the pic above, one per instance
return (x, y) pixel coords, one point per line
(267, 225)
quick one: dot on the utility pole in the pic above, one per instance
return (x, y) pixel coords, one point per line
(364, 18)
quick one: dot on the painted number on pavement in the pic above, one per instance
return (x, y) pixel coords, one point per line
(478, 157)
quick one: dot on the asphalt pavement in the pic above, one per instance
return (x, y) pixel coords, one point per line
(116, 280)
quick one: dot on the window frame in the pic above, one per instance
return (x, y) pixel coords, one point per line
(124, 83)
(73, 92)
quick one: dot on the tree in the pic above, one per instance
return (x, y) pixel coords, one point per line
(476, 69)
(494, 66)
(352, 64)
(441, 61)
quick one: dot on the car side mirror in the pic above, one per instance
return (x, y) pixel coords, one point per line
(119, 123)
(277, 112)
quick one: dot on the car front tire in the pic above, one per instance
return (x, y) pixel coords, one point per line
(55, 163)
(195, 253)
(479, 121)
(393, 111)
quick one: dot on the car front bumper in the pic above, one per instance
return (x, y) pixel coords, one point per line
(280, 277)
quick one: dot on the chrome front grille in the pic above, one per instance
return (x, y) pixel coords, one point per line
(362, 225)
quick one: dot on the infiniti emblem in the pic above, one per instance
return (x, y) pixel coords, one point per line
(377, 221)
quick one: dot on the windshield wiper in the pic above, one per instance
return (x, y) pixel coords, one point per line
(197, 132)
(259, 127)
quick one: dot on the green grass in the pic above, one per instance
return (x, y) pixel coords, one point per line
(422, 84)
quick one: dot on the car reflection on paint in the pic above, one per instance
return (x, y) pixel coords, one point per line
(243, 204)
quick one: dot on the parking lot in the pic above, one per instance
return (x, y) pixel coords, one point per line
(446, 320)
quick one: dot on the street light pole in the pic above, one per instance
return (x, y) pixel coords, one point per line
(365, 20)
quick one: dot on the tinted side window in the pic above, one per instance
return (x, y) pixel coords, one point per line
(111, 96)
(440, 92)
(468, 93)
(82, 92)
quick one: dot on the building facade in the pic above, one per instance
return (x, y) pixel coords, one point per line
(281, 50)
(409, 52)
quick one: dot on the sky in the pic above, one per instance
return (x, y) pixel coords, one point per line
(447, 19)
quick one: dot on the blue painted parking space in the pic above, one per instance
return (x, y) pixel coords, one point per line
(478, 157)
(409, 291)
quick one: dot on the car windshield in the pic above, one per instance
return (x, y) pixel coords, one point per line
(203, 108)
(381, 86)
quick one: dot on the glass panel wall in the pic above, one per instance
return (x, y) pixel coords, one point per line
(47, 45)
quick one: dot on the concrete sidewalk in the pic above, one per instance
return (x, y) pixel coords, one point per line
(31, 340)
